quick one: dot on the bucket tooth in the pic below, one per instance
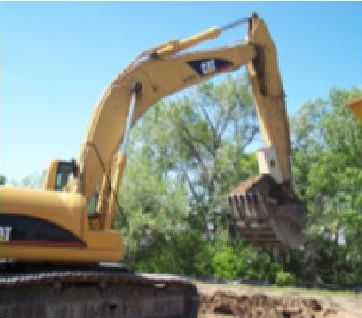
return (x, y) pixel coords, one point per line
(242, 209)
(267, 213)
(232, 205)
(253, 205)
(247, 206)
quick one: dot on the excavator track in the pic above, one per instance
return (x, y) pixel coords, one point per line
(102, 291)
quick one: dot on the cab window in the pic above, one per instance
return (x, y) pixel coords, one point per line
(65, 169)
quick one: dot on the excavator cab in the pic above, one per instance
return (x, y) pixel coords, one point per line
(267, 211)
(59, 174)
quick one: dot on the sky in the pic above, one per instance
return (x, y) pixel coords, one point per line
(56, 58)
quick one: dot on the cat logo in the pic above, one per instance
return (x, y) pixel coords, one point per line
(207, 67)
(5, 233)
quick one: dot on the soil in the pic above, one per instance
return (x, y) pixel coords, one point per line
(244, 301)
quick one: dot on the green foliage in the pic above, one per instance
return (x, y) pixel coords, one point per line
(327, 141)
(186, 154)
(237, 259)
(2, 180)
(173, 256)
(227, 264)
(284, 278)
(187, 253)
(153, 205)
(189, 151)
(32, 181)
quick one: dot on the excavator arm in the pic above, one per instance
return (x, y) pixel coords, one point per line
(265, 207)
(164, 70)
(156, 78)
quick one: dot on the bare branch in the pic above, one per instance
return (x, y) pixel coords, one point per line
(189, 182)
(227, 119)
(194, 138)
(196, 154)
(206, 115)
(248, 141)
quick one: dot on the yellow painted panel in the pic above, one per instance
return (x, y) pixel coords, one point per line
(100, 246)
(66, 210)
(356, 106)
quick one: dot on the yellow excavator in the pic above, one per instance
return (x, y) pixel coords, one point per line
(58, 247)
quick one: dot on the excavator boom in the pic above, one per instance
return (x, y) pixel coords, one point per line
(158, 77)
(166, 69)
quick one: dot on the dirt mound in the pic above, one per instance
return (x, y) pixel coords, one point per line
(226, 303)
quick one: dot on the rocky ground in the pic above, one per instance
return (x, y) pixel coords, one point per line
(219, 301)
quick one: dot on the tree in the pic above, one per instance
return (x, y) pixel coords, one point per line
(153, 205)
(32, 181)
(2, 179)
(189, 151)
(202, 137)
(327, 152)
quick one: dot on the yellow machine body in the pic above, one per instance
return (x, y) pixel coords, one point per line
(52, 226)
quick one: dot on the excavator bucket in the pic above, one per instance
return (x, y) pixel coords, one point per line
(267, 213)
